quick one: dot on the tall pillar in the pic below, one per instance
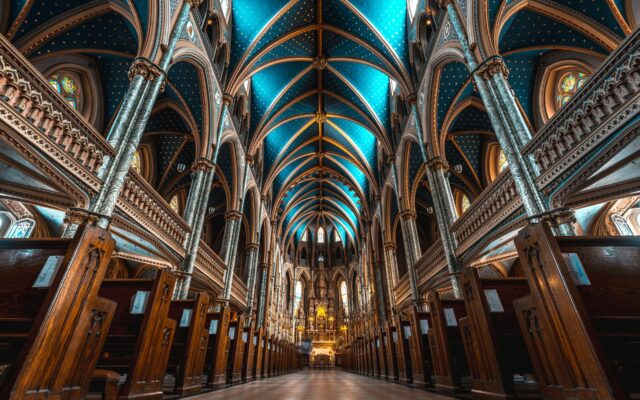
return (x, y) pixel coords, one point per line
(128, 135)
(392, 272)
(445, 216)
(264, 273)
(382, 307)
(252, 264)
(411, 249)
(198, 201)
(507, 120)
(229, 246)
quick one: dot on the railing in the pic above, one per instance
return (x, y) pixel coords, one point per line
(210, 263)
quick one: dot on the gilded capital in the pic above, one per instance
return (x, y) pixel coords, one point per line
(320, 117)
(408, 215)
(202, 165)
(145, 68)
(320, 63)
(438, 163)
(233, 215)
(559, 216)
(491, 67)
(78, 216)
(193, 3)
(390, 246)
(253, 247)
(227, 99)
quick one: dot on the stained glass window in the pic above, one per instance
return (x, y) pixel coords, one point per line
(345, 297)
(175, 204)
(413, 8)
(568, 85)
(297, 297)
(224, 4)
(622, 225)
(502, 161)
(304, 236)
(21, 229)
(67, 87)
(465, 203)
(136, 162)
(337, 237)
(321, 235)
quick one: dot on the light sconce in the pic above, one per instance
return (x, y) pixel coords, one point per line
(181, 167)
(458, 168)
(430, 210)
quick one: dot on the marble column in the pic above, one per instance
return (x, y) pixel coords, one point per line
(445, 216)
(392, 273)
(411, 249)
(252, 265)
(229, 246)
(382, 306)
(264, 273)
(130, 136)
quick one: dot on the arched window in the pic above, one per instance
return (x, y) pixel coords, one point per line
(225, 5)
(622, 225)
(21, 229)
(502, 162)
(305, 236)
(136, 162)
(68, 87)
(175, 204)
(568, 85)
(297, 297)
(344, 296)
(465, 203)
(321, 235)
(462, 202)
(336, 236)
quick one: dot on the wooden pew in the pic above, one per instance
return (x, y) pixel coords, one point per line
(493, 342)
(50, 313)
(216, 361)
(581, 321)
(258, 337)
(266, 352)
(368, 361)
(390, 339)
(375, 370)
(140, 337)
(249, 351)
(382, 352)
(189, 349)
(421, 367)
(450, 368)
(236, 347)
(403, 333)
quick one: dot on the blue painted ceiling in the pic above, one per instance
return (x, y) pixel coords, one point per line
(320, 75)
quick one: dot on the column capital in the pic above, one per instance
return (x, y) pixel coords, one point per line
(202, 165)
(408, 215)
(390, 246)
(438, 163)
(79, 216)
(250, 158)
(145, 68)
(444, 3)
(391, 158)
(412, 98)
(227, 99)
(253, 247)
(556, 217)
(233, 215)
(491, 67)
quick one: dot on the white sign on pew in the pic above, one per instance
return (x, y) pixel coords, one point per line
(47, 272)
(450, 317)
(244, 337)
(424, 326)
(185, 320)
(232, 332)
(139, 302)
(493, 300)
(213, 327)
(407, 331)
(576, 269)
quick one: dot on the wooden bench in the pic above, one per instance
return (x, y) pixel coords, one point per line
(216, 360)
(51, 314)
(390, 339)
(189, 348)
(401, 338)
(375, 350)
(266, 352)
(445, 341)
(499, 364)
(236, 348)
(249, 351)
(139, 341)
(258, 338)
(420, 323)
(581, 321)
(382, 352)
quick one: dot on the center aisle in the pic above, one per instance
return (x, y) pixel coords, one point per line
(320, 385)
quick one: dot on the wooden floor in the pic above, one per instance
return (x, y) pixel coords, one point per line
(320, 385)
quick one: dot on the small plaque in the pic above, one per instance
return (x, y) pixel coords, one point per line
(139, 302)
(493, 300)
(213, 327)
(424, 326)
(269, 346)
(450, 317)
(48, 272)
(395, 337)
(232, 332)
(255, 340)
(378, 343)
(245, 336)
(185, 320)
(576, 269)
(385, 341)
(407, 331)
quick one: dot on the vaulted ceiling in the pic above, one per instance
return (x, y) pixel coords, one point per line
(320, 76)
